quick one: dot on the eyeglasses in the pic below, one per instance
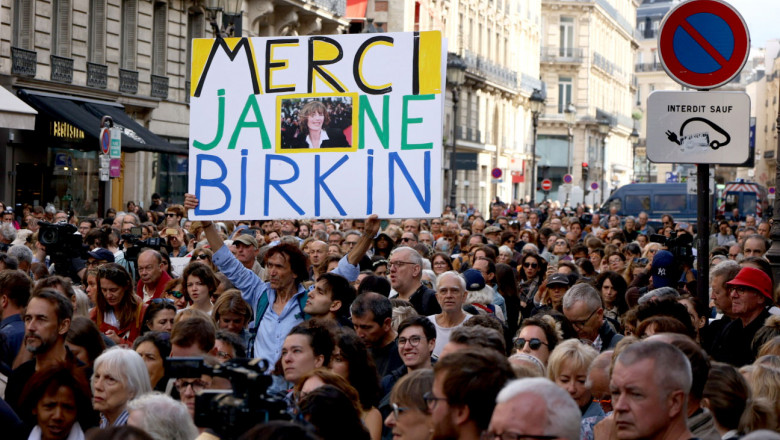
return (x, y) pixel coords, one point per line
(95, 263)
(162, 300)
(741, 290)
(431, 400)
(440, 263)
(170, 214)
(414, 341)
(398, 410)
(534, 343)
(560, 242)
(176, 293)
(398, 264)
(201, 257)
(581, 323)
(197, 385)
(435, 223)
(641, 261)
(530, 265)
(488, 435)
(406, 239)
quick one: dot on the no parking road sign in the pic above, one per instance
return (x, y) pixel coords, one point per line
(703, 44)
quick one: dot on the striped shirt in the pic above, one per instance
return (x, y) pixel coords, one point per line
(120, 421)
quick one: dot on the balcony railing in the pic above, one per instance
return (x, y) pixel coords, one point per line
(468, 134)
(160, 86)
(23, 61)
(97, 75)
(481, 66)
(335, 7)
(562, 54)
(648, 67)
(128, 81)
(61, 69)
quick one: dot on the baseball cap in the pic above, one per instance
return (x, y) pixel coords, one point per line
(474, 280)
(662, 269)
(755, 279)
(558, 279)
(246, 240)
(102, 254)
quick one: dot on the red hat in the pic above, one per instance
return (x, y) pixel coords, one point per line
(755, 279)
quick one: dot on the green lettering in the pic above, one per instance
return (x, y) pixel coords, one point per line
(406, 120)
(382, 131)
(220, 124)
(251, 104)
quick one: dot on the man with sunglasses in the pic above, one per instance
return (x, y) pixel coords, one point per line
(583, 307)
(534, 409)
(751, 296)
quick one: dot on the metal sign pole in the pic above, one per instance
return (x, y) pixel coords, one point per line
(703, 228)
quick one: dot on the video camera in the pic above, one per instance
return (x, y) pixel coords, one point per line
(680, 245)
(136, 244)
(62, 244)
(230, 413)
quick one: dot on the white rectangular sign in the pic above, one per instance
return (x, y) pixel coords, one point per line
(693, 178)
(338, 126)
(698, 127)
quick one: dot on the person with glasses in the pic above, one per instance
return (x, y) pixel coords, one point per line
(173, 216)
(176, 292)
(464, 391)
(441, 262)
(98, 257)
(118, 312)
(531, 274)
(406, 267)
(584, 308)
(204, 256)
(416, 340)
(568, 368)
(533, 409)
(751, 296)
(536, 337)
(228, 346)
(410, 418)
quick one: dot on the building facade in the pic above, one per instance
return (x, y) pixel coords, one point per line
(75, 61)
(588, 52)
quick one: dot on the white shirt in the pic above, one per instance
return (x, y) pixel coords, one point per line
(323, 137)
(443, 333)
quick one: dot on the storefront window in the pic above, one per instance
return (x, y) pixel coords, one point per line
(172, 177)
(73, 183)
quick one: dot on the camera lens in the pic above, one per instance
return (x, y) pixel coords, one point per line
(49, 236)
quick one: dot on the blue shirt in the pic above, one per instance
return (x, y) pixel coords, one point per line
(11, 338)
(273, 327)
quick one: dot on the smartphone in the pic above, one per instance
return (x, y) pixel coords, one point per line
(171, 231)
(136, 230)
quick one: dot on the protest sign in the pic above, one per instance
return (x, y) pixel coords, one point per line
(338, 126)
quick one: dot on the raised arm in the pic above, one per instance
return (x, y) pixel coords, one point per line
(215, 241)
(360, 249)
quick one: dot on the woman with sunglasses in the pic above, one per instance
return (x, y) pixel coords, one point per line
(201, 285)
(537, 337)
(118, 312)
(531, 272)
(204, 256)
(411, 417)
(159, 316)
(175, 291)
(613, 288)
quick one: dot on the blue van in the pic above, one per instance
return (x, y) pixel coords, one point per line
(656, 199)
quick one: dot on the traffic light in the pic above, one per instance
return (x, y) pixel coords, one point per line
(585, 171)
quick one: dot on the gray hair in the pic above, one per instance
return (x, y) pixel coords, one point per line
(432, 275)
(563, 414)
(414, 256)
(21, 252)
(452, 273)
(135, 219)
(505, 250)
(531, 247)
(727, 269)
(82, 303)
(529, 360)
(128, 367)
(164, 418)
(8, 232)
(659, 294)
(672, 369)
(582, 292)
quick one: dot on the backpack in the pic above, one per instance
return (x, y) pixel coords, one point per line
(262, 306)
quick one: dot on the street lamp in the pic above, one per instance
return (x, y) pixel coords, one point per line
(537, 104)
(571, 118)
(456, 77)
(604, 127)
(231, 16)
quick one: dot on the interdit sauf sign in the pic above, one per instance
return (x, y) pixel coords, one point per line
(317, 126)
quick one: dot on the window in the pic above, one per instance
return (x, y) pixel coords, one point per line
(637, 203)
(129, 42)
(669, 202)
(160, 38)
(97, 31)
(24, 14)
(564, 93)
(195, 29)
(566, 44)
(61, 28)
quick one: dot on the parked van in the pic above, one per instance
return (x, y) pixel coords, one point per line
(656, 199)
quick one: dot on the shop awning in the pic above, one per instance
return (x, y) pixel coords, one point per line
(14, 113)
(85, 115)
(356, 9)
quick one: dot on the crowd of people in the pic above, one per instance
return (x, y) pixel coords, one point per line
(526, 323)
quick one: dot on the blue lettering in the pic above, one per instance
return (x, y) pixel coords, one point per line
(277, 184)
(425, 202)
(370, 183)
(243, 181)
(214, 183)
(319, 183)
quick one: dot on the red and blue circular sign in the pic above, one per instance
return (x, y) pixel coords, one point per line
(594, 186)
(567, 178)
(703, 44)
(496, 173)
(105, 140)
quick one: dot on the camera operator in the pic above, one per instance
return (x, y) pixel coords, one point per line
(175, 238)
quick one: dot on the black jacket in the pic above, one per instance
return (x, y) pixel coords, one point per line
(336, 139)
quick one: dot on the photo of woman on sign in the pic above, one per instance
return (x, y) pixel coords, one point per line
(314, 129)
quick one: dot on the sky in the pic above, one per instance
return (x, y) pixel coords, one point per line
(761, 17)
